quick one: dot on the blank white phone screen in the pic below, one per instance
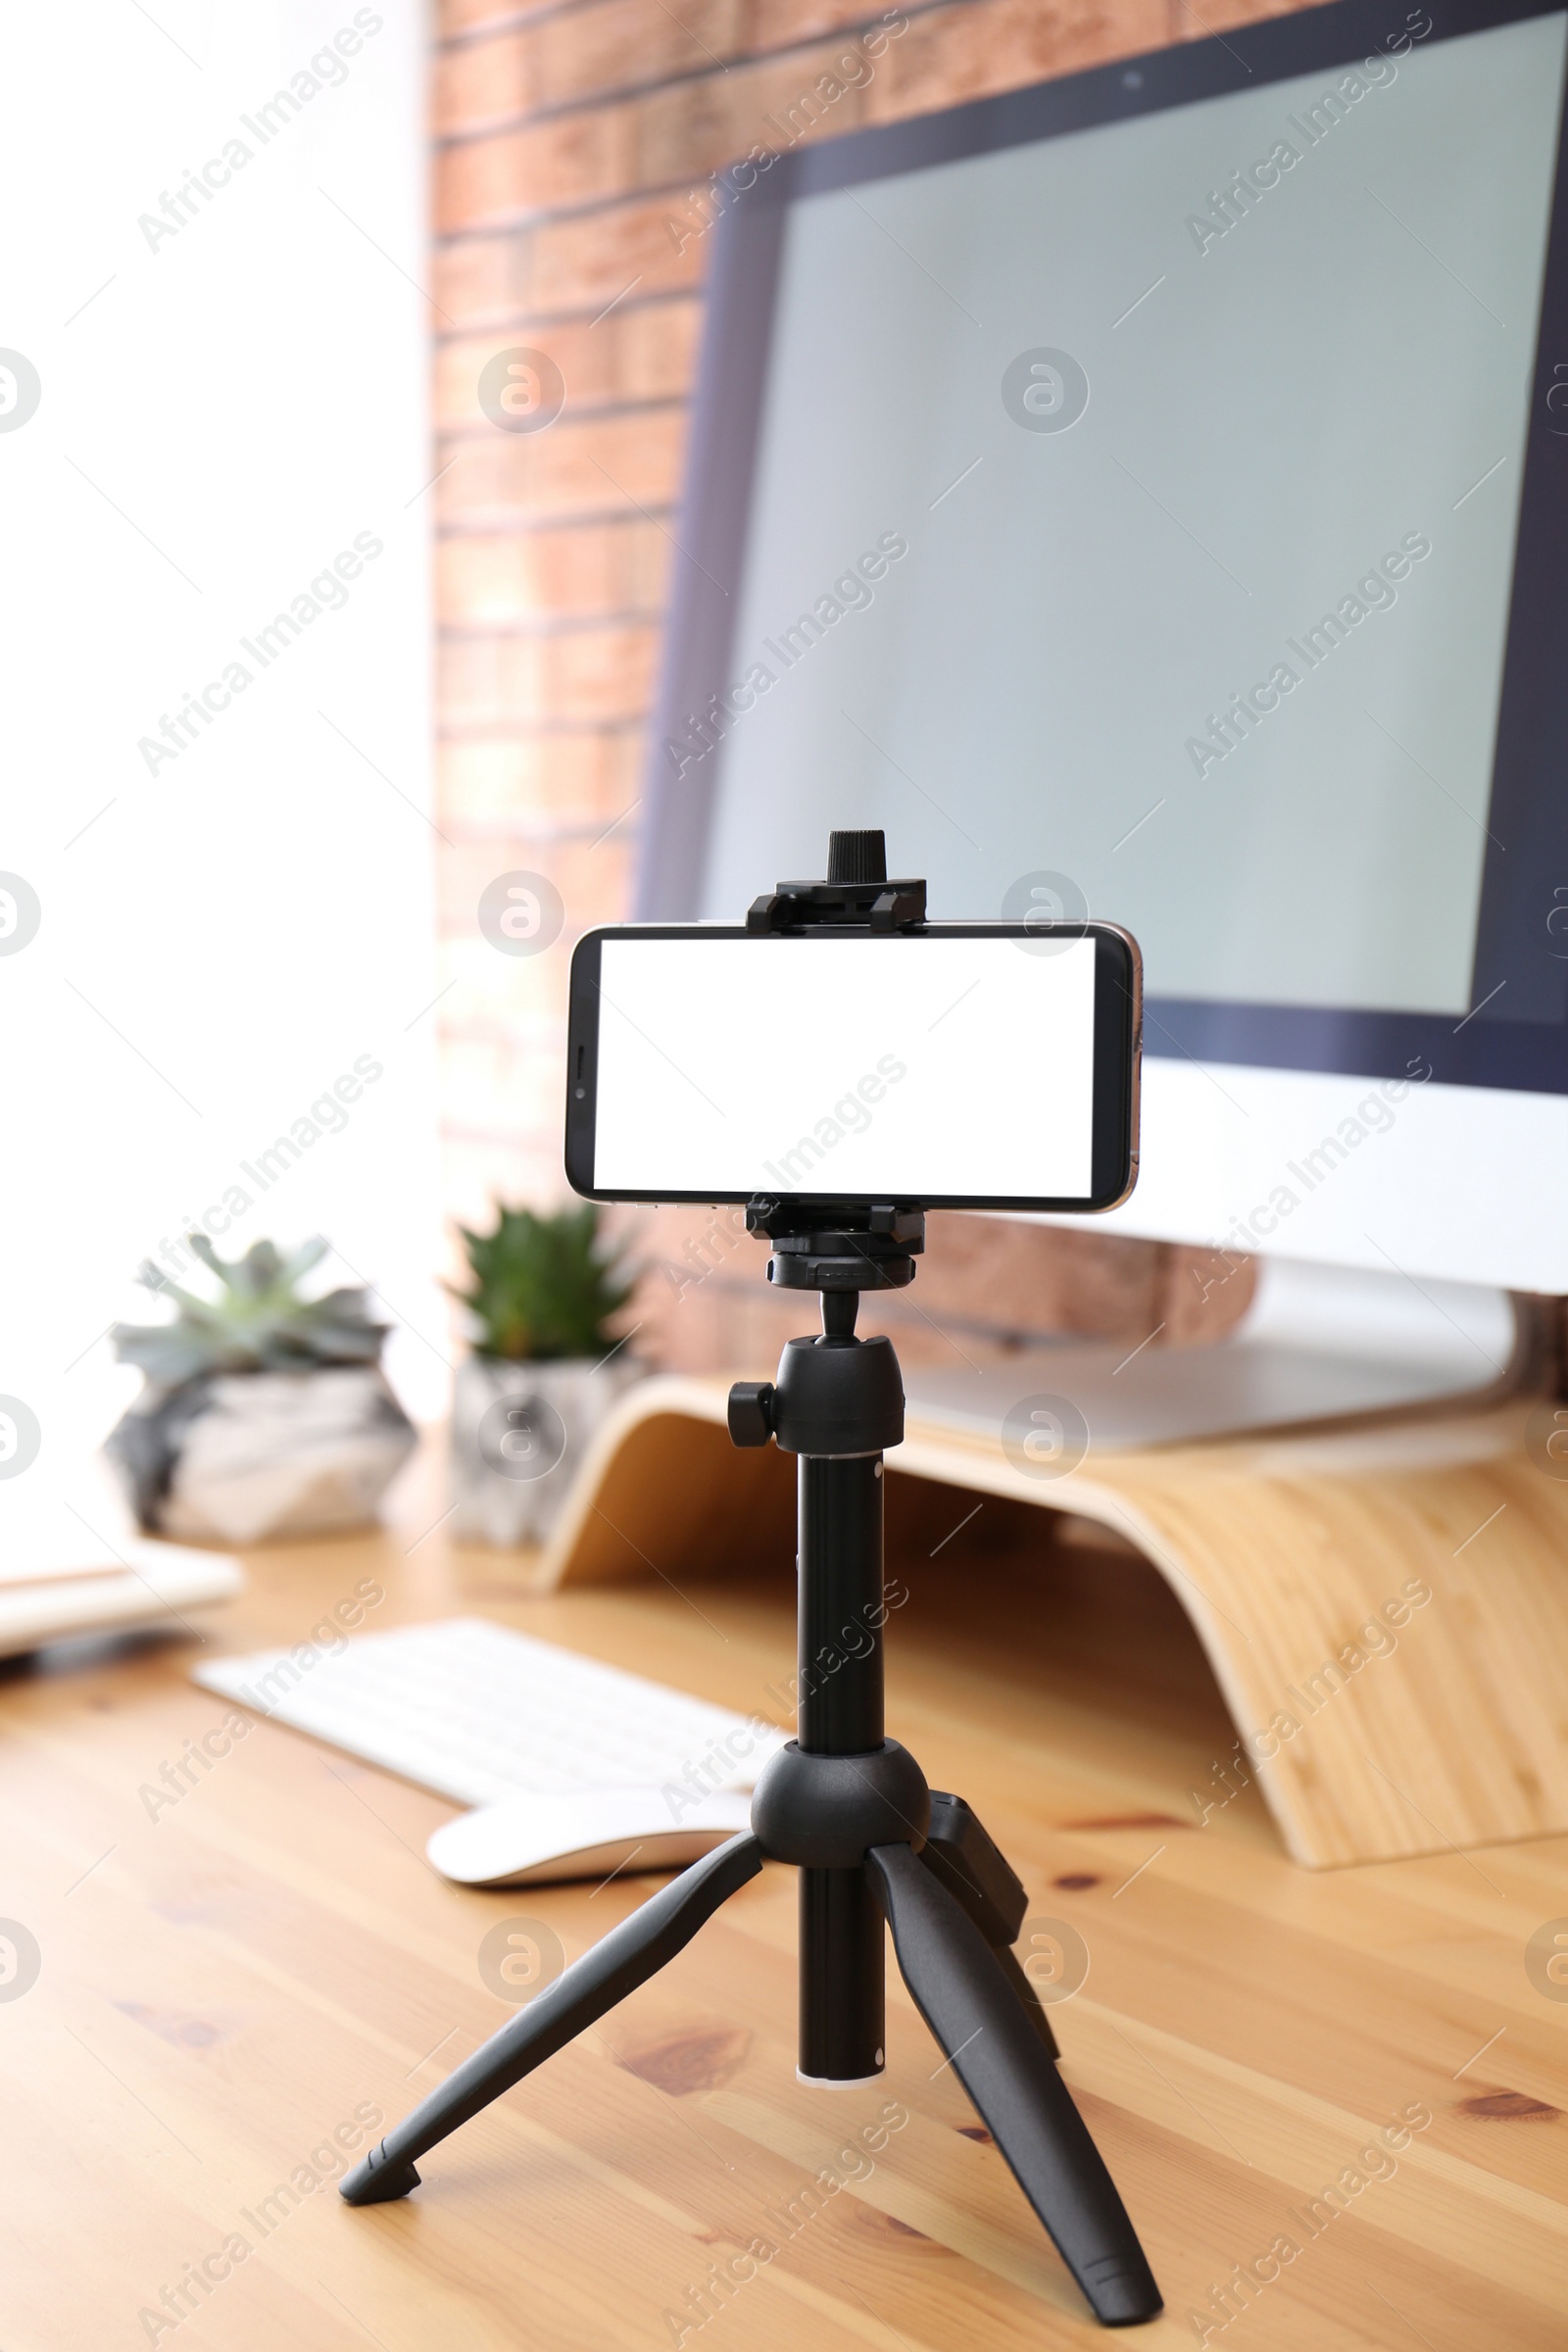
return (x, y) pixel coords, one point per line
(887, 1068)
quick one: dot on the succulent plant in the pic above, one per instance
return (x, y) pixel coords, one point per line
(544, 1288)
(258, 1322)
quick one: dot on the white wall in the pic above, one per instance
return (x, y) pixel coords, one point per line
(223, 410)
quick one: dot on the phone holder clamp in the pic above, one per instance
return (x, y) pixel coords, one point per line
(856, 893)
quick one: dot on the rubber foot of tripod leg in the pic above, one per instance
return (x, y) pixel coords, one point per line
(838, 2082)
(377, 2182)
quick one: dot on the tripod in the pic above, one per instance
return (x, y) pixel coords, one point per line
(847, 1806)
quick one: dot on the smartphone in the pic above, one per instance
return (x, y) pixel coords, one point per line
(957, 1065)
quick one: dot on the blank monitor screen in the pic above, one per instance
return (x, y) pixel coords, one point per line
(1118, 499)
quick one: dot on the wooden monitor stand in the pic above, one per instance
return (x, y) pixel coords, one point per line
(1378, 1722)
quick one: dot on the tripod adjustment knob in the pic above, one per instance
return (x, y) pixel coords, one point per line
(751, 1412)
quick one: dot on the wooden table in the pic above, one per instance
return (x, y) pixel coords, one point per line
(1383, 1601)
(230, 1979)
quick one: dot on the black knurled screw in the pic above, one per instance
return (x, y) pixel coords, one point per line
(858, 857)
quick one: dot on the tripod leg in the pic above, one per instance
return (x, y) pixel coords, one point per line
(972, 2009)
(959, 1852)
(1029, 2000)
(624, 1959)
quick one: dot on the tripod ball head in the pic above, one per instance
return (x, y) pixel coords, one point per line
(831, 1398)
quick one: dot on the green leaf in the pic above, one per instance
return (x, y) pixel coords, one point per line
(300, 1261)
(257, 1322)
(545, 1286)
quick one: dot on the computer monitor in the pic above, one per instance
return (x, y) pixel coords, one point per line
(1147, 492)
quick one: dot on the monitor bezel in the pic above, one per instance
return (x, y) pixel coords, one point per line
(1488, 1048)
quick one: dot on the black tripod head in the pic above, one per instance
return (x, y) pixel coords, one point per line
(838, 1248)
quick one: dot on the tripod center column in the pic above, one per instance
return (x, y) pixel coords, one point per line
(837, 1403)
(840, 1706)
(838, 1713)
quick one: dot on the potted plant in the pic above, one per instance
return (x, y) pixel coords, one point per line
(265, 1413)
(545, 1371)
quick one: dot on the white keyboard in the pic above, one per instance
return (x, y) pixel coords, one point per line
(478, 1713)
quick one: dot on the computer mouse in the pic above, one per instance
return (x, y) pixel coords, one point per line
(531, 1839)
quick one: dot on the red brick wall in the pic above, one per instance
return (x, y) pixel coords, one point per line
(572, 145)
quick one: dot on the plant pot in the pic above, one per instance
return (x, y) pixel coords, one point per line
(518, 1433)
(245, 1456)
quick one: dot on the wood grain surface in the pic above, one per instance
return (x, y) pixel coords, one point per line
(1384, 1603)
(233, 1985)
